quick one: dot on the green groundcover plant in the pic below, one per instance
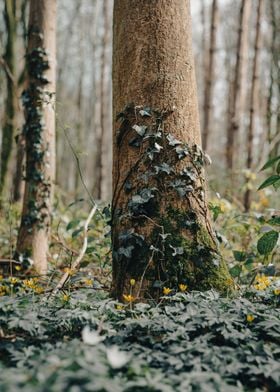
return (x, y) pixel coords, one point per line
(188, 342)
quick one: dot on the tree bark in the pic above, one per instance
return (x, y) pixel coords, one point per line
(208, 93)
(237, 106)
(39, 131)
(161, 229)
(10, 105)
(253, 101)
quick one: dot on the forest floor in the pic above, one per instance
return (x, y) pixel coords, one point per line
(82, 340)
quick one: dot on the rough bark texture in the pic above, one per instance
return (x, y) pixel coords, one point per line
(237, 105)
(208, 92)
(10, 104)
(161, 230)
(39, 131)
(253, 100)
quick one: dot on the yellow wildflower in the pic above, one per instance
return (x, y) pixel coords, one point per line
(250, 318)
(88, 282)
(30, 283)
(132, 282)
(18, 267)
(183, 287)
(128, 298)
(166, 290)
(119, 307)
(13, 280)
(262, 282)
(276, 291)
(39, 290)
(66, 297)
(69, 271)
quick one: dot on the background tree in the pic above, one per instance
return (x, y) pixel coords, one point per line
(9, 64)
(253, 100)
(238, 93)
(209, 76)
(39, 130)
(161, 228)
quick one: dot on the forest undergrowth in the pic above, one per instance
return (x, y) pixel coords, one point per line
(81, 340)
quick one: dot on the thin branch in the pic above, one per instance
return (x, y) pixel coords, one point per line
(78, 260)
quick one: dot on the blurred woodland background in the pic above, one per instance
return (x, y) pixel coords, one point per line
(237, 53)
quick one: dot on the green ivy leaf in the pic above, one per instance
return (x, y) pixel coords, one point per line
(235, 271)
(267, 242)
(239, 255)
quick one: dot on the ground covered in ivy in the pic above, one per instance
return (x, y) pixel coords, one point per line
(188, 342)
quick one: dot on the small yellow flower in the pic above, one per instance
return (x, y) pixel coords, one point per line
(250, 318)
(66, 297)
(13, 280)
(18, 267)
(88, 282)
(276, 291)
(119, 307)
(183, 287)
(128, 298)
(38, 290)
(132, 282)
(166, 290)
(69, 271)
(30, 283)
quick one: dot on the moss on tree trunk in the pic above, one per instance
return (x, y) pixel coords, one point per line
(161, 229)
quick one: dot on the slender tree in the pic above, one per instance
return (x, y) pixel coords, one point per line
(102, 157)
(9, 63)
(161, 229)
(209, 76)
(237, 104)
(39, 130)
(253, 100)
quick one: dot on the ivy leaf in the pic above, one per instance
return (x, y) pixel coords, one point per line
(164, 167)
(235, 271)
(239, 255)
(267, 242)
(141, 130)
(172, 140)
(182, 152)
(145, 112)
(177, 250)
(126, 252)
(272, 180)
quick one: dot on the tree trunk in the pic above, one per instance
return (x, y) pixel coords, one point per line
(208, 93)
(10, 105)
(161, 229)
(238, 85)
(253, 101)
(18, 184)
(39, 131)
(102, 155)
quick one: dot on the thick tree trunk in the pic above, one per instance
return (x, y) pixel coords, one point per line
(10, 105)
(39, 130)
(161, 228)
(237, 105)
(208, 93)
(253, 101)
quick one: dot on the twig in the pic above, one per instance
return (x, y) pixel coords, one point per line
(78, 260)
